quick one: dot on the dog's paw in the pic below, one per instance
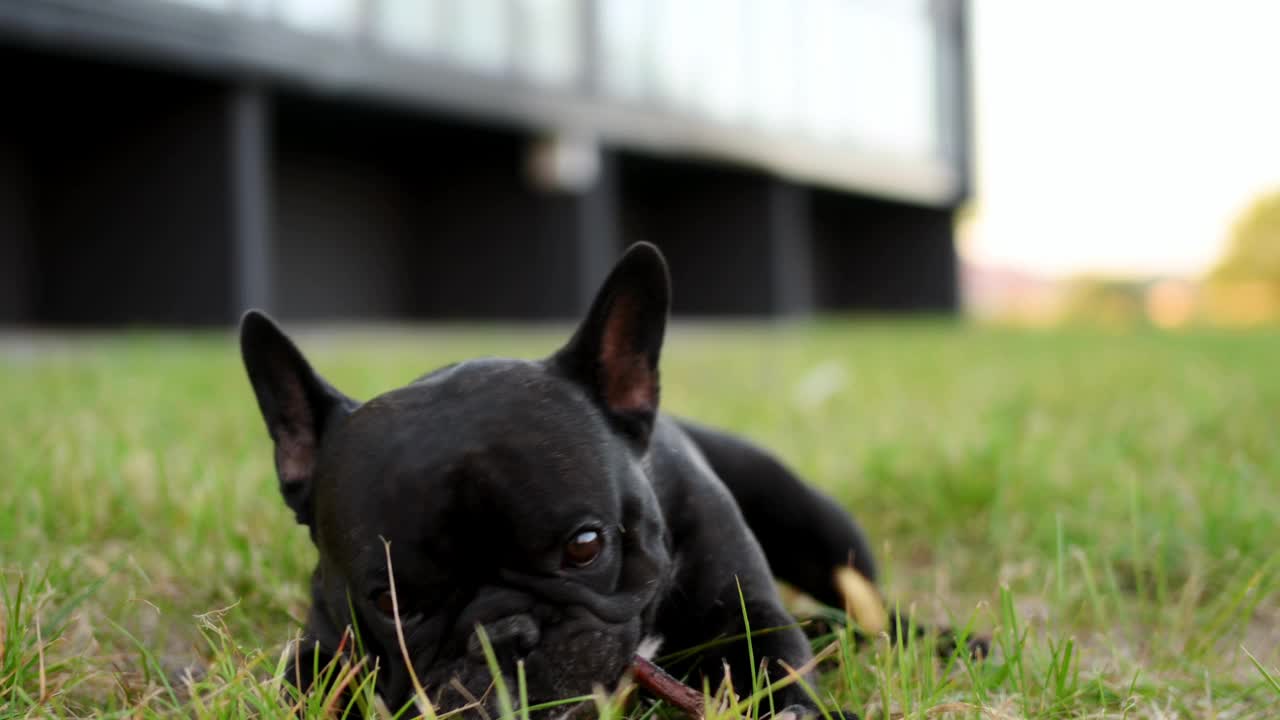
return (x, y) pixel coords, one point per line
(977, 647)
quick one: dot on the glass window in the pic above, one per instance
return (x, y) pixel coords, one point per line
(335, 17)
(625, 42)
(772, 33)
(722, 90)
(217, 5)
(477, 34)
(410, 26)
(891, 77)
(549, 45)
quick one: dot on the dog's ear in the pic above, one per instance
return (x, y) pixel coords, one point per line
(615, 351)
(297, 404)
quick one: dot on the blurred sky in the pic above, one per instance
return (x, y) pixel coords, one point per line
(1120, 135)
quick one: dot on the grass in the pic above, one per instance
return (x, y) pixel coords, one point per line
(1106, 506)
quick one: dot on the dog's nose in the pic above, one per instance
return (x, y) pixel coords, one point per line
(517, 633)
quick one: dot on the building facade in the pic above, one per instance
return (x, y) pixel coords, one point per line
(176, 161)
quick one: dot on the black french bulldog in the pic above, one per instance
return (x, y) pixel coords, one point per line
(549, 501)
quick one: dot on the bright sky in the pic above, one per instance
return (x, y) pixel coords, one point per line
(1120, 135)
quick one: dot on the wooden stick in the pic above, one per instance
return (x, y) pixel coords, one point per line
(667, 688)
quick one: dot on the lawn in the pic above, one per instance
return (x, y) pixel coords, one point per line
(1107, 506)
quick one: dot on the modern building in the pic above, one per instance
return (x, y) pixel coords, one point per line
(176, 161)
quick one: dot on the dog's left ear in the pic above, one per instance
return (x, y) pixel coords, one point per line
(297, 404)
(615, 351)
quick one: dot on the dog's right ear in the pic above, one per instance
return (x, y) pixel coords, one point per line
(615, 351)
(297, 404)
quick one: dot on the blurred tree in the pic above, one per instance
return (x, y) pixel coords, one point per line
(1253, 250)
(1244, 288)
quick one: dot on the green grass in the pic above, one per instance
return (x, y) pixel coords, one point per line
(1106, 506)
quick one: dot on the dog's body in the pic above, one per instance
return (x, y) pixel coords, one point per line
(550, 502)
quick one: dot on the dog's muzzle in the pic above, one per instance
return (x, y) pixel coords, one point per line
(569, 639)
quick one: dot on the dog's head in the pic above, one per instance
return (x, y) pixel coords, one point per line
(510, 494)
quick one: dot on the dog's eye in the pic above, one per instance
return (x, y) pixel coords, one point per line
(583, 549)
(387, 607)
(385, 604)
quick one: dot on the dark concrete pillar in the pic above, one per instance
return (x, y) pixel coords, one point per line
(250, 158)
(597, 235)
(791, 248)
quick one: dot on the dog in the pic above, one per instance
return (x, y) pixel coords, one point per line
(552, 503)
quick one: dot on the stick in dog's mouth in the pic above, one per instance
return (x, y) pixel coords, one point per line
(667, 688)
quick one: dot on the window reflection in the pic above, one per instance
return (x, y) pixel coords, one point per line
(856, 73)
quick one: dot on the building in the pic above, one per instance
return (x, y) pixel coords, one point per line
(176, 161)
